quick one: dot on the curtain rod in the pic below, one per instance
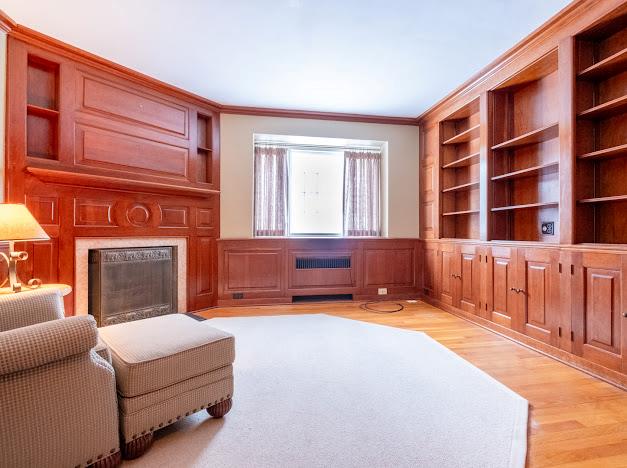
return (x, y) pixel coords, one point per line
(320, 147)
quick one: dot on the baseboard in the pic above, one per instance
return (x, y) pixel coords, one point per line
(607, 375)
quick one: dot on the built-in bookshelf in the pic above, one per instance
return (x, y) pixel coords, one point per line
(42, 111)
(524, 152)
(204, 149)
(601, 133)
(459, 174)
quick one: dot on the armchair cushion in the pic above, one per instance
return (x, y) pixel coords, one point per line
(30, 307)
(43, 343)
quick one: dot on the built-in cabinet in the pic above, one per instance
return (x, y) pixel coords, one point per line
(557, 298)
(523, 192)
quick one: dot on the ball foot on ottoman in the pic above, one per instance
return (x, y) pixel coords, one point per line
(137, 447)
(112, 461)
(220, 409)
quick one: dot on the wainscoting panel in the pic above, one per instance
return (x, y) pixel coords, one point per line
(257, 271)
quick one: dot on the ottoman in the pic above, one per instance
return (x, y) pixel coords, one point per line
(166, 368)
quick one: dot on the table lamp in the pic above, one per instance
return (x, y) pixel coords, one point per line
(18, 225)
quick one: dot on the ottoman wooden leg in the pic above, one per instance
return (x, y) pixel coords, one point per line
(137, 447)
(112, 461)
(220, 409)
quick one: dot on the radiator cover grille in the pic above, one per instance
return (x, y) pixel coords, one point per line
(310, 263)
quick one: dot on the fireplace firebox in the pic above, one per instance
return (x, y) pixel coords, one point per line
(132, 283)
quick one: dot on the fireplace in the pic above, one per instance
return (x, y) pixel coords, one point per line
(128, 284)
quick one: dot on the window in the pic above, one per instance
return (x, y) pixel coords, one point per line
(305, 189)
(316, 189)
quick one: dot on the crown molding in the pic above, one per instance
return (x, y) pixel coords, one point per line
(317, 115)
(6, 23)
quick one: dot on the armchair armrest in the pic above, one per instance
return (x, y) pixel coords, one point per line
(43, 343)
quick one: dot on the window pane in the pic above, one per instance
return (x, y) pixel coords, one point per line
(316, 192)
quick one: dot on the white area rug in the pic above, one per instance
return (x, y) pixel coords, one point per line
(322, 391)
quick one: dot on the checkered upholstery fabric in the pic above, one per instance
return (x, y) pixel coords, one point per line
(58, 400)
(151, 354)
(43, 343)
(167, 368)
(30, 307)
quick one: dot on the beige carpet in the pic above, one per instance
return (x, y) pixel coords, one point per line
(322, 391)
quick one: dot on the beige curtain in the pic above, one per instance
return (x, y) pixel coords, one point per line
(271, 187)
(362, 179)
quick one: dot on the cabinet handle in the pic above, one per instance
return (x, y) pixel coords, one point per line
(513, 289)
(521, 291)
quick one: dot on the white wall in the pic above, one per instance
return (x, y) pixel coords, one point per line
(236, 167)
(3, 81)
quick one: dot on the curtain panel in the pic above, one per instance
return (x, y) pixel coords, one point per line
(271, 186)
(362, 179)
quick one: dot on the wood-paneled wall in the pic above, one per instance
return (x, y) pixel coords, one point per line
(94, 151)
(254, 271)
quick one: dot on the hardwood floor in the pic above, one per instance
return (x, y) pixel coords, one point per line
(575, 420)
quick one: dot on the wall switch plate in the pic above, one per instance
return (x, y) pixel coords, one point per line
(548, 228)
(383, 291)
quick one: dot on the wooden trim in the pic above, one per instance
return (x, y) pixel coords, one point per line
(569, 13)
(572, 360)
(6, 23)
(317, 115)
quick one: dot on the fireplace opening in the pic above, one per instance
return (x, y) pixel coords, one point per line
(132, 283)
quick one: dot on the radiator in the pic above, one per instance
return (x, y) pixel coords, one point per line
(311, 263)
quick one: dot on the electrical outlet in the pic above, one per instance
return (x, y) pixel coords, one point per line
(548, 228)
(383, 291)
(238, 295)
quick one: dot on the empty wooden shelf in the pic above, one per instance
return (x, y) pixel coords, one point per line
(524, 206)
(604, 199)
(611, 65)
(456, 213)
(534, 136)
(606, 153)
(464, 161)
(607, 109)
(600, 60)
(459, 176)
(466, 186)
(523, 160)
(463, 137)
(529, 171)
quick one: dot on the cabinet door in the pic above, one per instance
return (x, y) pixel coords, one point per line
(430, 279)
(501, 295)
(537, 283)
(468, 281)
(599, 322)
(448, 272)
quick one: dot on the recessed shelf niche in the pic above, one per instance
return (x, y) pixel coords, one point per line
(459, 156)
(523, 161)
(42, 111)
(601, 133)
(204, 149)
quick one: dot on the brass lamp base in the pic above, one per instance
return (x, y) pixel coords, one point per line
(12, 258)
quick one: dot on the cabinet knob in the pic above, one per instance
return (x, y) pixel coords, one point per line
(624, 314)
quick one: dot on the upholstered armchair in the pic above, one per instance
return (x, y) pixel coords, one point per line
(58, 398)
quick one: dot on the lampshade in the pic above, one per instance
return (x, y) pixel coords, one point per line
(17, 224)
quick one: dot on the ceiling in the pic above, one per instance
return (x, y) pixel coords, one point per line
(394, 57)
